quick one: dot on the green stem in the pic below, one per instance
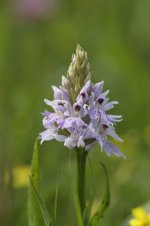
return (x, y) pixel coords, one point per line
(81, 177)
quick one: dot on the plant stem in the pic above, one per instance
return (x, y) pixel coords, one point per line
(81, 177)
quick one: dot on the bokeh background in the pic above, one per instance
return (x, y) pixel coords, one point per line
(37, 39)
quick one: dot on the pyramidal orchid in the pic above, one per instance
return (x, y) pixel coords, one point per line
(79, 116)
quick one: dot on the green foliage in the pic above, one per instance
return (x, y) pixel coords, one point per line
(33, 56)
(47, 218)
(87, 212)
(34, 213)
(99, 214)
(35, 200)
(56, 198)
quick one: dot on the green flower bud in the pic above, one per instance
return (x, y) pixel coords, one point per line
(78, 73)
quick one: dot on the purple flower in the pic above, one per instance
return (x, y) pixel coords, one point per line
(33, 9)
(84, 122)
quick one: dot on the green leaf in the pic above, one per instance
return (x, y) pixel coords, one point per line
(87, 212)
(77, 208)
(46, 216)
(34, 212)
(56, 197)
(97, 217)
(36, 205)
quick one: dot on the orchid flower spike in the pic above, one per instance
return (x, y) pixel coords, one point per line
(80, 116)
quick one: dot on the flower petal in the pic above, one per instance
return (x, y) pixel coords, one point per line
(46, 135)
(109, 105)
(112, 149)
(81, 142)
(97, 88)
(111, 132)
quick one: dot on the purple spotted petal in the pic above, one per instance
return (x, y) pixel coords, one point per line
(51, 119)
(85, 121)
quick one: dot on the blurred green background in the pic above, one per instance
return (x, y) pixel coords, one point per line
(37, 39)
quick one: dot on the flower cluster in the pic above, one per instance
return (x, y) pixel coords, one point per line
(141, 218)
(79, 117)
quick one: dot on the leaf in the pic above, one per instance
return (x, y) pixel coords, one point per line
(46, 216)
(34, 212)
(36, 205)
(56, 197)
(87, 212)
(77, 208)
(97, 217)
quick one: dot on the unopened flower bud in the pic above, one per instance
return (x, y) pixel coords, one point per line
(78, 72)
(65, 83)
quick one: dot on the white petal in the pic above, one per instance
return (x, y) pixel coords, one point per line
(70, 142)
(48, 102)
(46, 135)
(81, 142)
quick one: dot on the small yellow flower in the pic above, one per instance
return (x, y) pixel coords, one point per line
(141, 218)
(21, 176)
